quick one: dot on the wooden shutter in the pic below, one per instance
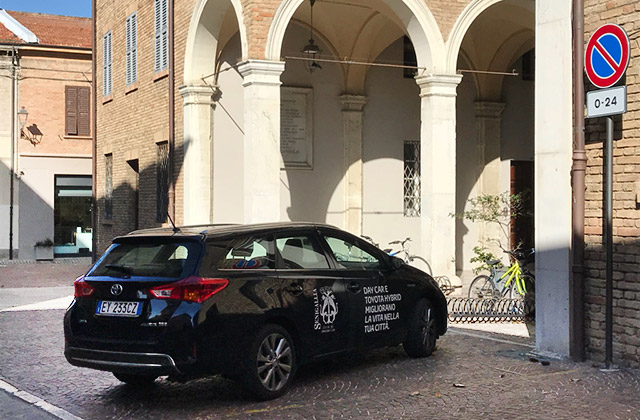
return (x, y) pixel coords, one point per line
(165, 32)
(84, 111)
(106, 64)
(128, 49)
(158, 36)
(134, 47)
(71, 110)
(105, 75)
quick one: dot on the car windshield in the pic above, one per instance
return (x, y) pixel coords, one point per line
(150, 259)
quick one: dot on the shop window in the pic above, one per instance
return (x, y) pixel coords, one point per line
(72, 214)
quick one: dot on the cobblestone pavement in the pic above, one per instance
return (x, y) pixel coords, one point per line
(472, 375)
(59, 272)
(468, 377)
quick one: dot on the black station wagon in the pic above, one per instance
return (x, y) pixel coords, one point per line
(251, 302)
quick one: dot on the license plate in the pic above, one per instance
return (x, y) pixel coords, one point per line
(112, 308)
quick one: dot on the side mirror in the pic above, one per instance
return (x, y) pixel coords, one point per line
(396, 262)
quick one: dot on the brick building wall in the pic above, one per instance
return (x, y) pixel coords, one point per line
(626, 202)
(43, 78)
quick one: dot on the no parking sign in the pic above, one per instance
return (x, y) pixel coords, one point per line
(607, 55)
(606, 59)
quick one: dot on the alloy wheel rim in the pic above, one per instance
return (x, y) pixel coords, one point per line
(274, 362)
(428, 328)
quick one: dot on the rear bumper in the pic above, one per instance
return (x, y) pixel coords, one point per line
(122, 362)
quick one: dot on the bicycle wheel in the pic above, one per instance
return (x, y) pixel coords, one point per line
(421, 265)
(482, 287)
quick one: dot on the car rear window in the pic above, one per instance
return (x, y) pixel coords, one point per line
(172, 259)
(238, 253)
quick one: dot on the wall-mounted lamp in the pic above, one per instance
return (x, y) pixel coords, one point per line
(32, 132)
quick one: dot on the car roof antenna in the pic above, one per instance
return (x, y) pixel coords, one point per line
(175, 229)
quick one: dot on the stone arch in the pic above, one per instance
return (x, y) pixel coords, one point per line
(418, 21)
(202, 40)
(462, 25)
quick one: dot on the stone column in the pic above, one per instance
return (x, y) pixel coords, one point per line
(352, 118)
(438, 171)
(553, 151)
(198, 153)
(262, 158)
(488, 119)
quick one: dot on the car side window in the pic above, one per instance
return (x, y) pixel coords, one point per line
(238, 253)
(352, 257)
(300, 252)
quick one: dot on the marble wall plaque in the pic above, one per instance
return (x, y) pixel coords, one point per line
(296, 127)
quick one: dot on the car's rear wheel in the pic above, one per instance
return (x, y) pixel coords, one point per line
(270, 363)
(423, 333)
(131, 379)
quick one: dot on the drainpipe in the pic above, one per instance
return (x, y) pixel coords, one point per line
(172, 186)
(578, 184)
(13, 147)
(94, 146)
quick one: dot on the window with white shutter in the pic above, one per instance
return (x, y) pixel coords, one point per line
(132, 49)
(107, 76)
(161, 35)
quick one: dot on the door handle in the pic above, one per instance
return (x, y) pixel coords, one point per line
(294, 288)
(354, 287)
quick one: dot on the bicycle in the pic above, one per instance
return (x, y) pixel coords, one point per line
(501, 283)
(409, 257)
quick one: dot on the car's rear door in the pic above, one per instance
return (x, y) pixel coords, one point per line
(313, 294)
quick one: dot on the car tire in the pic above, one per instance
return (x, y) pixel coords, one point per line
(270, 363)
(137, 380)
(422, 335)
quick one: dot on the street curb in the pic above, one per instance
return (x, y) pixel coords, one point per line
(36, 401)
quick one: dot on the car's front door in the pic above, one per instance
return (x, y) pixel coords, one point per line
(313, 295)
(375, 296)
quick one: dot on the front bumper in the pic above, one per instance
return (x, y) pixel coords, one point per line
(123, 362)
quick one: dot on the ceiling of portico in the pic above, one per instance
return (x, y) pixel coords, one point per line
(495, 40)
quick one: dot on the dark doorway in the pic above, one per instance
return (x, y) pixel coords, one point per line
(133, 164)
(522, 182)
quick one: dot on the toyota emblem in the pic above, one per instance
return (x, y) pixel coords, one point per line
(116, 289)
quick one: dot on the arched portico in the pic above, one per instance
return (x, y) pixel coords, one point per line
(437, 93)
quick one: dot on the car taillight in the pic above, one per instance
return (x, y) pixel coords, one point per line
(82, 288)
(191, 289)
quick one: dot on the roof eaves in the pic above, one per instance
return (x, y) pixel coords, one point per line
(17, 28)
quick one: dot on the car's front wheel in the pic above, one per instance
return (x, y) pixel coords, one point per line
(423, 333)
(270, 363)
(137, 380)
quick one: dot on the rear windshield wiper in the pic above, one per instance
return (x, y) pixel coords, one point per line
(120, 268)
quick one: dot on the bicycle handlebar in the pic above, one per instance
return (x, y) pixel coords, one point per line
(522, 254)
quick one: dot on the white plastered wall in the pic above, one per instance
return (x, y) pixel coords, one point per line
(316, 194)
(392, 115)
(37, 189)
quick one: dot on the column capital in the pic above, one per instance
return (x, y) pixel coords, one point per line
(261, 72)
(488, 109)
(353, 102)
(438, 84)
(198, 94)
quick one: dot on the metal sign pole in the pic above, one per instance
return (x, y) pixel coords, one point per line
(608, 240)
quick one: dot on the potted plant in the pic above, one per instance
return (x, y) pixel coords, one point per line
(44, 250)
